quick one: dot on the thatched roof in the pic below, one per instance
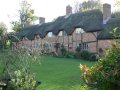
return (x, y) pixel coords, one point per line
(109, 27)
(23, 33)
(90, 21)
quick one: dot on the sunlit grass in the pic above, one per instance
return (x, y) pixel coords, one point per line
(59, 73)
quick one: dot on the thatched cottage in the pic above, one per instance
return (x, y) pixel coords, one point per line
(88, 30)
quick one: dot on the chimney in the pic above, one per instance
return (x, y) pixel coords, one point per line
(41, 20)
(106, 11)
(68, 10)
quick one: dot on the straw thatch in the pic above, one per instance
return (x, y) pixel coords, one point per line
(90, 21)
(109, 27)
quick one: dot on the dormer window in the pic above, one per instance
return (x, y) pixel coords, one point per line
(37, 37)
(61, 33)
(79, 30)
(50, 34)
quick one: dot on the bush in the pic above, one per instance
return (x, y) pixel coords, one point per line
(69, 55)
(85, 54)
(63, 50)
(93, 57)
(105, 74)
(66, 53)
(22, 80)
(78, 49)
(17, 67)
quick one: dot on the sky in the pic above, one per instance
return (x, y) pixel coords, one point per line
(50, 9)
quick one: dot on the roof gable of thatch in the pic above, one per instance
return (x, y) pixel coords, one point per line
(90, 21)
(109, 27)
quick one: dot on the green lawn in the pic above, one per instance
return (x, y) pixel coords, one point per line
(59, 73)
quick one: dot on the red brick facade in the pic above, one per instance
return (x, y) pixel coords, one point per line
(87, 40)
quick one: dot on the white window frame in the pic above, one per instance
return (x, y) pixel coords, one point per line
(83, 46)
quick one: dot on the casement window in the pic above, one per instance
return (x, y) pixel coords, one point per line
(61, 33)
(83, 46)
(79, 30)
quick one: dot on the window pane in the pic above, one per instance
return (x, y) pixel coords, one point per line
(60, 33)
(79, 30)
(50, 34)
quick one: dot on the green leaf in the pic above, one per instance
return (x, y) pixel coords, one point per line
(115, 29)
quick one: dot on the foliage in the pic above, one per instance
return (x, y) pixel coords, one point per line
(88, 5)
(17, 67)
(22, 80)
(69, 54)
(26, 16)
(3, 30)
(63, 50)
(78, 49)
(55, 73)
(117, 5)
(82, 54)
(105, 74)
(66, 53)
(16, 26)
(115, 15)
(26, 13)
(93, 57)
(85, 54)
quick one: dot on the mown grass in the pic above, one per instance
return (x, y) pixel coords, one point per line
(59, 73)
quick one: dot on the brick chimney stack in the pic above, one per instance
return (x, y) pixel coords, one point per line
(41, 20)
(68, 10)
(106, 11)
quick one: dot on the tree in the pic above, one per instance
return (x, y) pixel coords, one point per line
(88, 5)
(3, 30)
(117, 5)
(116, 14)
(16, 26)
(26, 16)
(76, 7)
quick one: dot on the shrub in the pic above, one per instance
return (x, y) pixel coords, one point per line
(17, 67)
(78, 49)
(22, 80)
(105, 74)
(63, 50)
(69, 55)
(93, 57)
(66, 53)
(85, 54)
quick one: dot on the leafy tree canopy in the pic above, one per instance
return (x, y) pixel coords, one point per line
(88, 5)
(26, 16)
(3, 29)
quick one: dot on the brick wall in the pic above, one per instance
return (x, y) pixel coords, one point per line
(74, 41)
